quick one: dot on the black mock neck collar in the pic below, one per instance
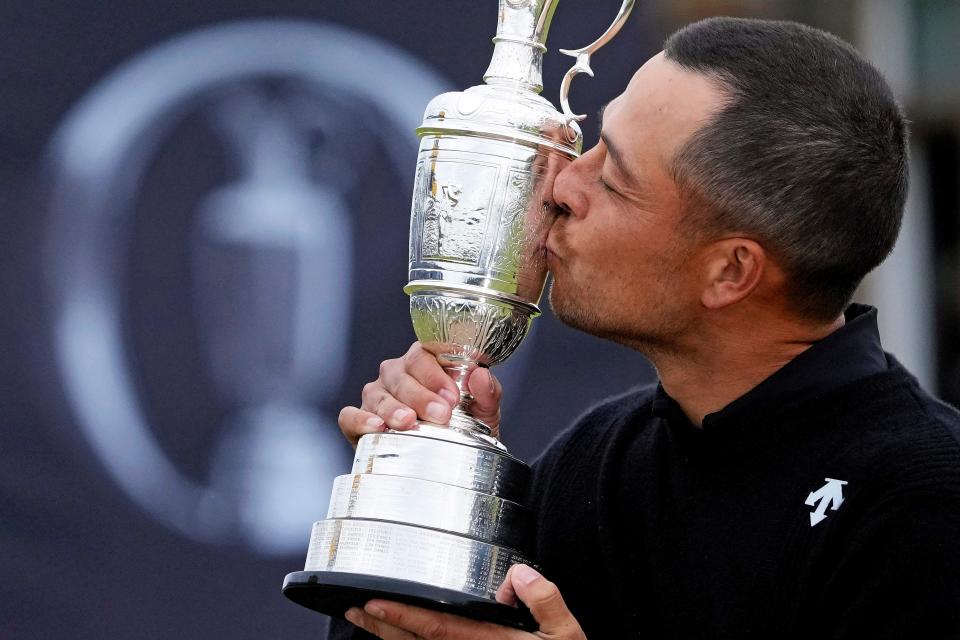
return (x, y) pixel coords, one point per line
(850, 353)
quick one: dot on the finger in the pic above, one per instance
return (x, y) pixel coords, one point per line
(545, 603)
(432, 625)
(377, 400)
(487, 393)
(378, 628)
(356, 423)
(416, 380)
(428, 405)
(506, 594)
(423, 366)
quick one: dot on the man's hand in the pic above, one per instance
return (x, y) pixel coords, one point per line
(394, 621)
(416, 385)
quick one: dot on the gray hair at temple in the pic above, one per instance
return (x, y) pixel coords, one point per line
(808, 156)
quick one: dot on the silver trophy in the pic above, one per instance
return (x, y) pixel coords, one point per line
(435, 516)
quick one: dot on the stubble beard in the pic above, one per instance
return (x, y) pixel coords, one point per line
(572, 315)
(650, 336)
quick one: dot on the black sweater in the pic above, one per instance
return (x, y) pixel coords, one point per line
(654, 528)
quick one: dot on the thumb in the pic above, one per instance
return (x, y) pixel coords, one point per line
(545, 603)
(486, 392)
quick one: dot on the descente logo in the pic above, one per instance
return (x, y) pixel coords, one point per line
(829, 496)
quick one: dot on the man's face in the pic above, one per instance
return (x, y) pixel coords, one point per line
(623, 267)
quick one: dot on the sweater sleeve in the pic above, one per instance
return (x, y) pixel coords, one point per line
(899, 574)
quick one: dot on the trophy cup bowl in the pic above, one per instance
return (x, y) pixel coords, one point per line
(435, 516)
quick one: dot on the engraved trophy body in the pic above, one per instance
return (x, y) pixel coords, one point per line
(434, 516)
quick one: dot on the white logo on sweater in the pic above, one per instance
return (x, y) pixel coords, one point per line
(829, 495)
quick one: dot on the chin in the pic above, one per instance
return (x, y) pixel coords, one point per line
(574, 310)
(593, 317)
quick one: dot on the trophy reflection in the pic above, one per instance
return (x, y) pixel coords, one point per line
(435, 516)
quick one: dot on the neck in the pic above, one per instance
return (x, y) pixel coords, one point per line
(730, 358)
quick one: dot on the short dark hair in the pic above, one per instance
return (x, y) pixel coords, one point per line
(808, 155)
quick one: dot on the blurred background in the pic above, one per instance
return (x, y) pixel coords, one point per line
(206, 209)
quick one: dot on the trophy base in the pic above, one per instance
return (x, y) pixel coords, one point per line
(333, 592)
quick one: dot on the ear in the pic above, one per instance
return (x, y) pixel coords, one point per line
(734, 268)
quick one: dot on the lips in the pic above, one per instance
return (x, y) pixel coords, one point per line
(551, 244)
(555, 244)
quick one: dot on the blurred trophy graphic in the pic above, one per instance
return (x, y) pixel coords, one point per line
(274, 326)
(435, 516)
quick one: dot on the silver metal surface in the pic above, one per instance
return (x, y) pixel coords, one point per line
(403, 552)
(453, 463)
(482, 204)
(466, 326)
(423, 503)
(583, 58)
(521, 42)
(442, 505)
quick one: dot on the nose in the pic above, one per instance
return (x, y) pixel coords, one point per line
(570, 185)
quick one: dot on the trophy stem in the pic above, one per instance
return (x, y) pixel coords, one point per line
(462, 419)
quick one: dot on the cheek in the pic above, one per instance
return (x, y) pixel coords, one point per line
(641, 268)
(600, 236)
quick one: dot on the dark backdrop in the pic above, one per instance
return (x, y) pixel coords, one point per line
(93, 544)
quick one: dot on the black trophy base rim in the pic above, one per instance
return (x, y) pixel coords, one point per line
(333, 592)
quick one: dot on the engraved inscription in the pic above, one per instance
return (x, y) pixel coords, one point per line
(465, 467)
(480, 331)
(428, 504)
(449, 230)
(398, 551)
(519, 254)
(510, 237)
(421, 187)
(452, 205)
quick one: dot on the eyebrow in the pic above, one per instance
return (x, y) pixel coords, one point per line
(613, 150)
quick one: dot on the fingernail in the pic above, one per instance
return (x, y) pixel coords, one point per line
(401, 415)
(449, 396)
(437, 411)
(524, 574)
(375, 610)
(374, 422)
(491, 387)
(352, 615)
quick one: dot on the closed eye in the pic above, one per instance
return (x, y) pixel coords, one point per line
(606, 187)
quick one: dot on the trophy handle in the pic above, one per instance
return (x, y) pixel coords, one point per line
(583, 58)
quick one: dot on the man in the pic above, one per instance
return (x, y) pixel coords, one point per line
(786, 478)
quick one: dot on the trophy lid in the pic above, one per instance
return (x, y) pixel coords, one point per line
(507, 107)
